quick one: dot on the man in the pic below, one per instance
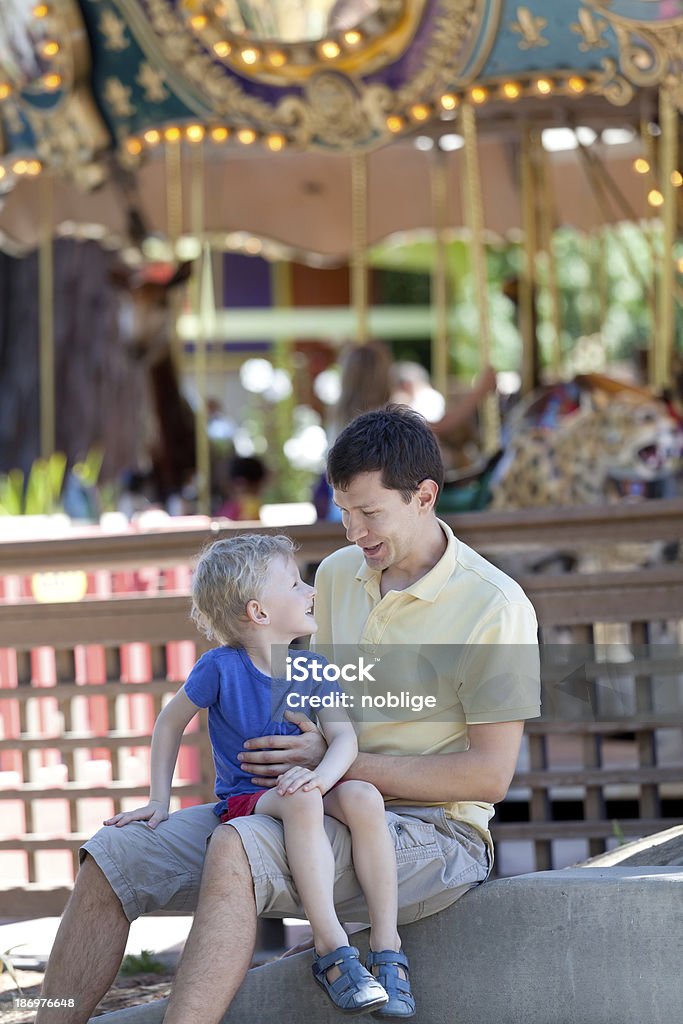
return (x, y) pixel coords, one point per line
(405, 579)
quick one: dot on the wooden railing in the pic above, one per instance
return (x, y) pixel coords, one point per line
(69, 743)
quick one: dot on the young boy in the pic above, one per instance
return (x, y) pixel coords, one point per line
(248, 595)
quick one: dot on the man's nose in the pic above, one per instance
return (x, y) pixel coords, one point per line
(355, 529)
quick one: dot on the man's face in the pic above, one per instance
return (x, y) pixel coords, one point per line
(379, 521)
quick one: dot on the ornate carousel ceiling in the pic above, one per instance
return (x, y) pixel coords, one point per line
(82, 81)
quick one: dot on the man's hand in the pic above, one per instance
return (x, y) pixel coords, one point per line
(271, 756)
(153, 813)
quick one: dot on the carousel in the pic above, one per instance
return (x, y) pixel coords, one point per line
(178, 131)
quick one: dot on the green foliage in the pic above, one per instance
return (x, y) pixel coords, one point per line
(40, 493)
(618, 833)
(7, 965)
(142, 964)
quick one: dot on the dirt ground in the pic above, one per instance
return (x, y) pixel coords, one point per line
(142, 988)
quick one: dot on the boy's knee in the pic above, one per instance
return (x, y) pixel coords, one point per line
(359, 798)
(302, 804)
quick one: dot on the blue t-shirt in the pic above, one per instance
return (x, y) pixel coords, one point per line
(243, 702)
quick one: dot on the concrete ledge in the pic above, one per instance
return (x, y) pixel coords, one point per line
(578, 946)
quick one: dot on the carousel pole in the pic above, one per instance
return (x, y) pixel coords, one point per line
(46, 319)
(527, 280)
(440, 295)
(548, 219)
(174, 221)
(474, 203)
(660, 367)
(359, 242)
(205, 305)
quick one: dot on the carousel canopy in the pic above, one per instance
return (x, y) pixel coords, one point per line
(222, 116)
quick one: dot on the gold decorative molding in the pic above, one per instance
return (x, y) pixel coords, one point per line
(333, 110)
(650, 52)
(591, 30)
(530, 28)
(70, 133)
(113, 31)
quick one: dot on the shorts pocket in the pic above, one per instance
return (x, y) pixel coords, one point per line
(414, 840)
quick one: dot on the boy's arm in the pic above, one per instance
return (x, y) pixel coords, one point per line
(342, 751)
(168, 732)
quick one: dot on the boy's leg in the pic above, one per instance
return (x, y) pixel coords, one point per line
(360, 806)
(311, 861)
(89, 944)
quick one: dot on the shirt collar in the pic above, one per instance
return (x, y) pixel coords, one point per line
(429, 586)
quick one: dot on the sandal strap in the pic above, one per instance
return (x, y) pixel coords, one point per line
(338, 956)
(387, 957)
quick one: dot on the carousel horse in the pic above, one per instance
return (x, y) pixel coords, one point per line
(168, 435)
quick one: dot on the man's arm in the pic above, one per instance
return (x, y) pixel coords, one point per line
(483, 772)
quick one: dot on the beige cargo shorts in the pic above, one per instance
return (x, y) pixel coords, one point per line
(438, 860)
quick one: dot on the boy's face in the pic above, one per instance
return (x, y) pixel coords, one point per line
(385, 527)
(287, 601)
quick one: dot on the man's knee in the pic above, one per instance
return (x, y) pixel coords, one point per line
(226, 858)
(92, 886)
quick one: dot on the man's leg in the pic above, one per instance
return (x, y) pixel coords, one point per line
(220, 945)
(89, 944)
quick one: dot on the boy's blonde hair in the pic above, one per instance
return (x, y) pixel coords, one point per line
(228, 575)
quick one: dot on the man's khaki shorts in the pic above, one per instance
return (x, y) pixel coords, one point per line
(438, 860)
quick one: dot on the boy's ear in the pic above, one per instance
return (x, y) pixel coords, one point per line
(257, 614)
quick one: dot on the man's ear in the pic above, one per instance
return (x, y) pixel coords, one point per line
(427, 493)
(257, 614)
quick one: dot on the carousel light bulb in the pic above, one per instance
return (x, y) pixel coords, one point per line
(511, 90)
(20, 167)
(641, 165)
(576, 84)
(246, 136)
(419, 112)
(172, 134)
(5, 90)
(329, 49)
(194, 133)
(33, 168)
(448, 101)
(134, 146)
(479, 94)
(3, 172)
(655, 197)
(249, 55)
(676, 179)
(222, 48)
(41, 11)
(198, 22)
(679, 264)
(544, 86)
(275, 143)
(219, 133)
(394, 123)
(352, 37)
(253, 246)
(52, 82)
(152, 137)
(276, 58)
(50, 48)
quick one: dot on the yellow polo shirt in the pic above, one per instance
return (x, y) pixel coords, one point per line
(465, 632)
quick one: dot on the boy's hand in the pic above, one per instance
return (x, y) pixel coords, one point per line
(153, 813)
(267, 757)
(301, 778)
